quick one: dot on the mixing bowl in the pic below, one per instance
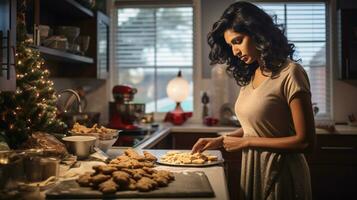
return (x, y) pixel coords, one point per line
(81, 146)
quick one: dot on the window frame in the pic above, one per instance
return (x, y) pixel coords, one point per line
(329, 76)
(156, 4)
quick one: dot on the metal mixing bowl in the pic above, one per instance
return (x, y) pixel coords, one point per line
(81, 146)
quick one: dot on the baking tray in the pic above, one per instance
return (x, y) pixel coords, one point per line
(186, 184)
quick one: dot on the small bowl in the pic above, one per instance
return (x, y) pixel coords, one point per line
(104, 145)
(81, 146)
(70, 32)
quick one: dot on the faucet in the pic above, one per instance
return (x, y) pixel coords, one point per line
(69, 99)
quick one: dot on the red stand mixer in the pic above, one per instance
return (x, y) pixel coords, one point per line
(123, 113)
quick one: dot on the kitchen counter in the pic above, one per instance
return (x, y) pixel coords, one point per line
(188, 128)
(215, 174)
(198, 127)
(165, 131)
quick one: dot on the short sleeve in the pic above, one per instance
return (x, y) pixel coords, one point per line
(296, 82)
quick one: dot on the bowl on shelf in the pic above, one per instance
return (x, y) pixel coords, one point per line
(44, 31)
(104, 145)
(70, 32)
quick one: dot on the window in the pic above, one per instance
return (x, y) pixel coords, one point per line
(305, 26)
(151, 45)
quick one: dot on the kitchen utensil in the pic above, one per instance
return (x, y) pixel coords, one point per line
(123, 113)
(81, 146)
(50, 167)
(33, 169)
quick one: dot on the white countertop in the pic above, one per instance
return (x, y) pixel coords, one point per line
(215, 174)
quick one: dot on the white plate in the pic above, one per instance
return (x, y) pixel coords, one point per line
(210, 152)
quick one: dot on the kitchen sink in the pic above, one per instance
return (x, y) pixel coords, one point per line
(84, 118)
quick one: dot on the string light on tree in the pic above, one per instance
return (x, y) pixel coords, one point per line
(33, 106)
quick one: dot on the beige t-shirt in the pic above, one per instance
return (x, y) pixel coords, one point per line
(264, 111)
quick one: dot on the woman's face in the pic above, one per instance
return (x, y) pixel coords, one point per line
(242, 46)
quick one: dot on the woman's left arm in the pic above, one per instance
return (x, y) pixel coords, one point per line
(302, 141)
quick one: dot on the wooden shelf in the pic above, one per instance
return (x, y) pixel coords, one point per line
(62, 56)
(68, 7)
(62, 63)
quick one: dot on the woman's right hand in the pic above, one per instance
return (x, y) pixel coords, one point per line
(207, 143)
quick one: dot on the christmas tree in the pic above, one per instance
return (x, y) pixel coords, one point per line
(33, 106)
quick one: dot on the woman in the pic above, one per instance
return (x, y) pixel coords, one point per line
(273, 106)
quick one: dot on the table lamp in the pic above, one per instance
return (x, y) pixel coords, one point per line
(178, 90)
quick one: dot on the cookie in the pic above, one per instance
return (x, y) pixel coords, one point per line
(122, 178)
(108, 186)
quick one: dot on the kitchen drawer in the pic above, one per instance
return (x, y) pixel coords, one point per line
(334, 149)
(187, 140)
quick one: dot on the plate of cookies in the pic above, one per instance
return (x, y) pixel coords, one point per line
(186, 158)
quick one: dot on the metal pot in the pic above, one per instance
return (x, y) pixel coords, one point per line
(81, 146)
(11, 168)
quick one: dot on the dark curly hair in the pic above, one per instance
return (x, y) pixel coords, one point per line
(271, 43)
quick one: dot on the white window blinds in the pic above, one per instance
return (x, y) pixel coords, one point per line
(305, 26)
(152, 44)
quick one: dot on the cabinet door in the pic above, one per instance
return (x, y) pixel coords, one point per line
(347, 32)
(103, 46)
(187, 140)
(333, 167)
(333, 181)
(7, 45)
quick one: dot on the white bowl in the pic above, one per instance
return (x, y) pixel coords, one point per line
(104, 145)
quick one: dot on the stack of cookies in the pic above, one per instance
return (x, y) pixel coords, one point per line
(130, 171)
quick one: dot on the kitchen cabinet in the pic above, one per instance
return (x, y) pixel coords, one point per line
(7, 45)
(187, 140)
(94, 63)
(347, 40)
(333, 167)
(332, 164)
